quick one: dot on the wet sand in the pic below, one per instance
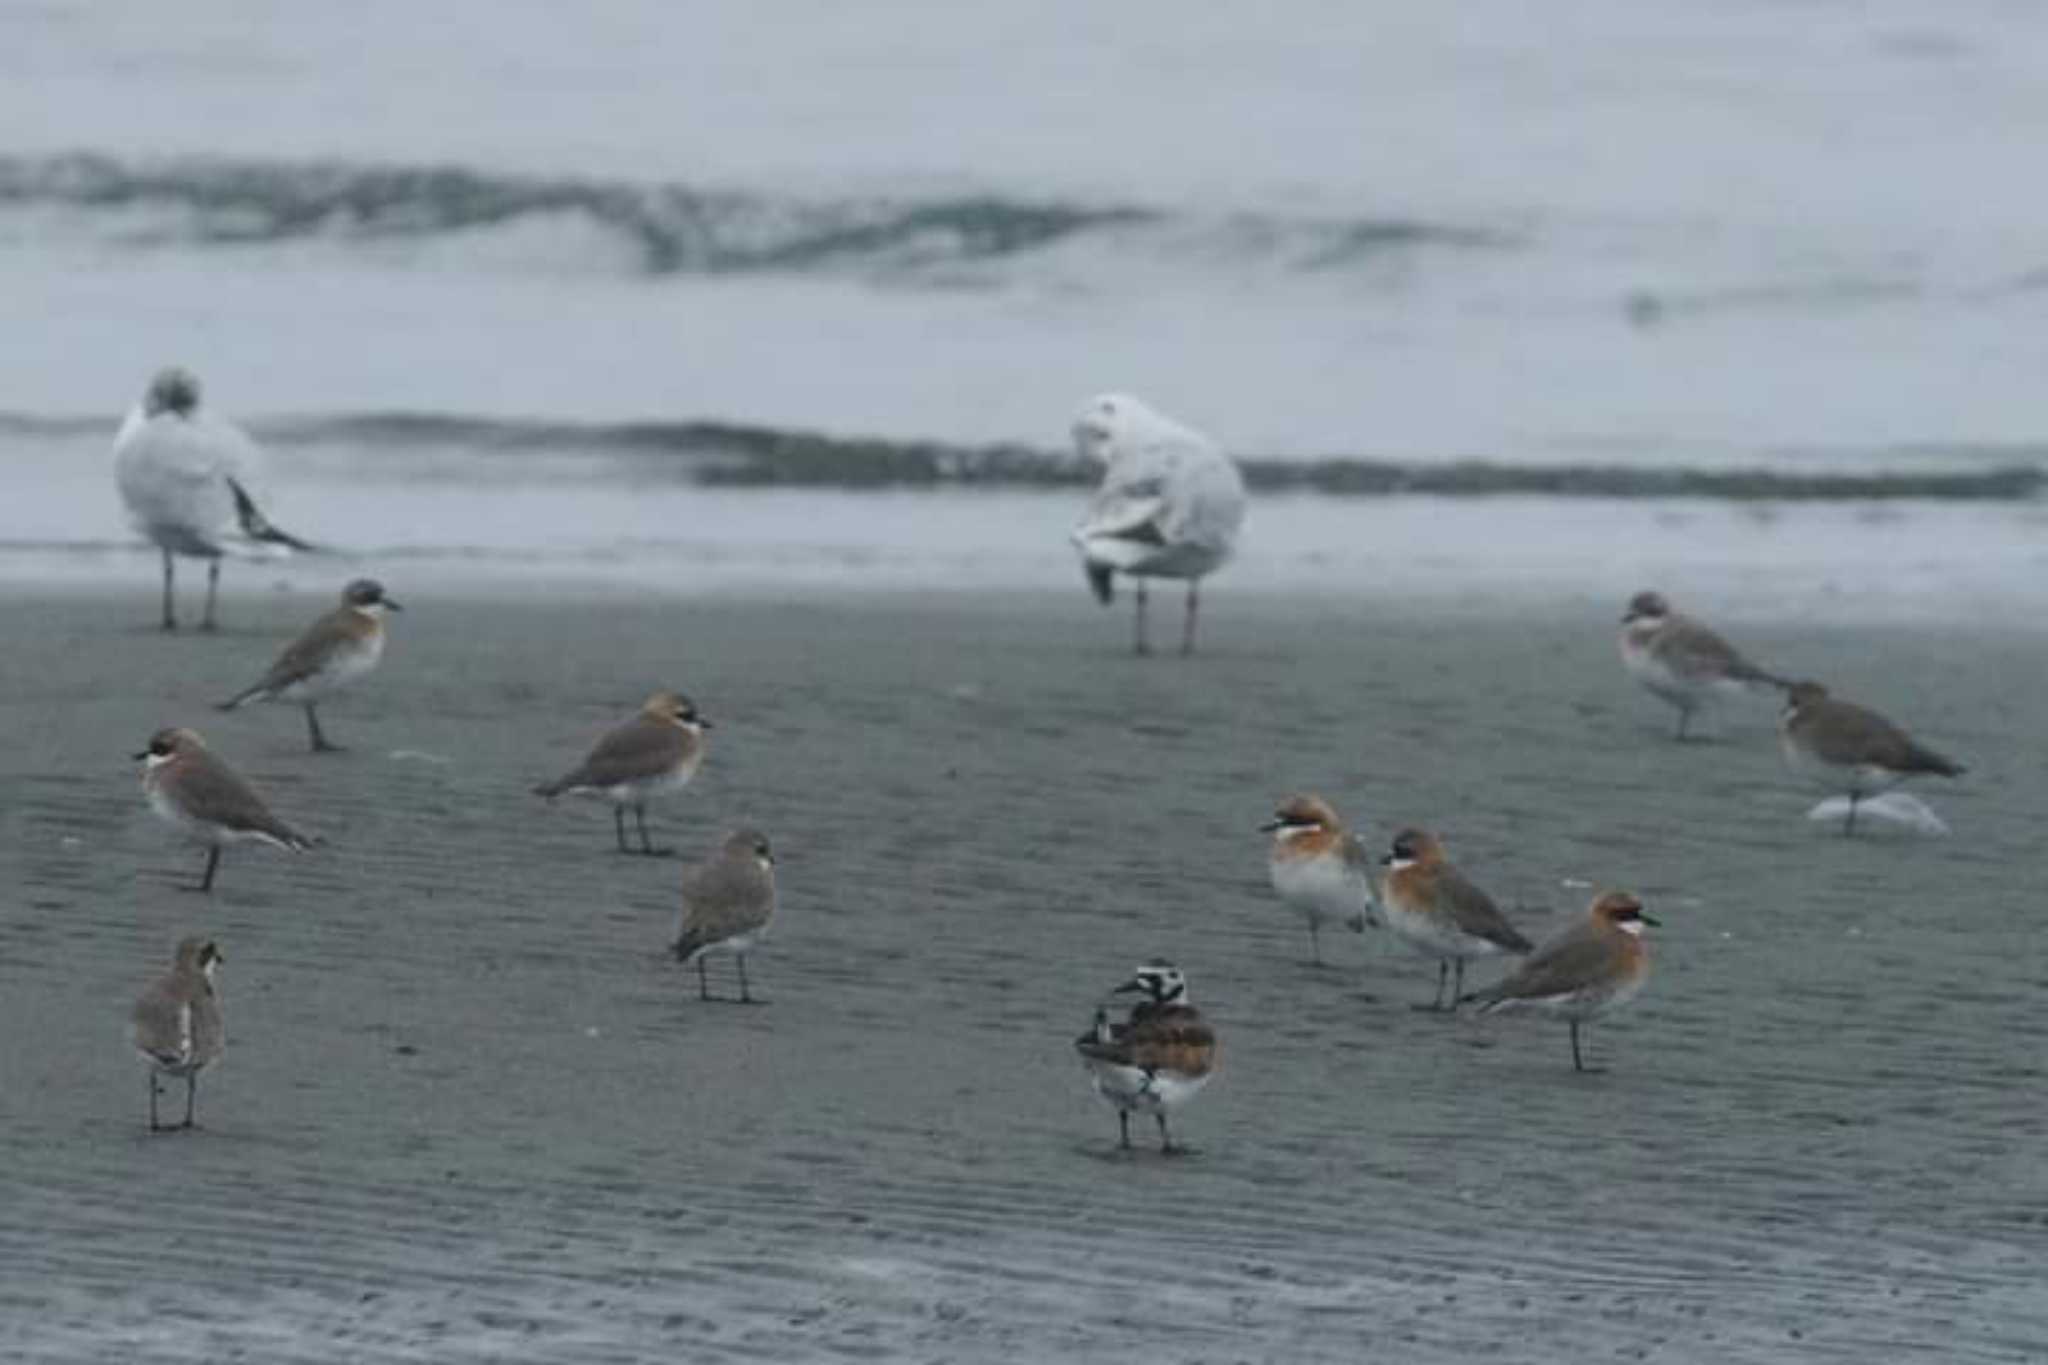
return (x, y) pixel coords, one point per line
(471, 1111)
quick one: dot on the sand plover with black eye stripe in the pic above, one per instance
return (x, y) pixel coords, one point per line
(1170, 505)
(333, 652)
(196, 793)
(1319, 868)
(728, 902)
(1157, 1059)
(654, 753)
(184, 476)
(178, 1026)
(1437, 911)
(1680, 661)
(1849, 748)
(1599, 964)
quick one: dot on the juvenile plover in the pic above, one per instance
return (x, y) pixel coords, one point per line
(178, 1027)
(1849, 748)
(1680, 661)
(334, 651)
(728, 902)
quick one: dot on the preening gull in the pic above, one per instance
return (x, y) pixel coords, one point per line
(1170, 504)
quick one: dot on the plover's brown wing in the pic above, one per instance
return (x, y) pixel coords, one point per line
(722, 900)
(211, 791)
(163, 1023)
(1692, 650)
(1581, 956)
(1473, 911)
(305, 656)
(1845, 733)
(642, 748)
(1171, 1038)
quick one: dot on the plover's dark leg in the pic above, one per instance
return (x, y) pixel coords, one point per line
(647, 845)
(154, 1126)
(746, 995)
(619, 827)
(1165, 1137)
(191, 1096)
(1684, 719)
(1458, 989)
(1849, 825)
(170, 621)
(1315, 943)
(1139, 644)
(319, 741)
(212, 863)
(207, 622)
(1187, 627)
(1443, 968)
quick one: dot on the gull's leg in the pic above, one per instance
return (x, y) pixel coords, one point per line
(1187, 629)
(207, 622)
(1141, 645)
(170, 621)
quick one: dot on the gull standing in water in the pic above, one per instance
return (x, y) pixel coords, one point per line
(1170, 505)
(184, 477)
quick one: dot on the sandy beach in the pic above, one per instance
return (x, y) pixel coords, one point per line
(471, 1111)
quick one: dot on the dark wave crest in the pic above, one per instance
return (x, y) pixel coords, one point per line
(668, 228)
(737, 455)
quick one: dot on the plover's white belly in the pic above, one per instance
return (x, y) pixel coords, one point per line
(174, 815)
(1659, 678)
(1325, 889)
(1861, 779)
(662, 784)
(343, 667)
(1435, 936)
(1130, 1087)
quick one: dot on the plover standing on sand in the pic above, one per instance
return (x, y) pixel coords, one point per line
(1599, 964)
(195, 792)
(1680, 661)
(333, 652)
(1849, 748)
(728, 902)
(654, 753)
(1438, 912)
(178, 1026)
(1319, 868)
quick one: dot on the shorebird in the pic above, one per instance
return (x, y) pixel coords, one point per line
(1155, 1061)
(1597, 965)
(184, 476)
(655, 752)
(333, 652)
(1170, 505)
(1319, 868)
(1680, 661)
(727, 904)
(1849, 748)
(196, 793)
(1439, 913)
(178, 1027)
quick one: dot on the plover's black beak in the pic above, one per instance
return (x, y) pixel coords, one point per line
(1130, 986)
(1272, 825)
(139, 757)
(701, 723)
(1386, 860)
(391, 603)
(1653, 923)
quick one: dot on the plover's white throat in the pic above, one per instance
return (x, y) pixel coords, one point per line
(1156, 1059)
(178, 1027)
(1317, 867)
(654, 753)
(1851, 749)
(728, 902)
(1599, 964)
(1170, 505)
(1437, 911)
(334, 651)
(1680, 661)
(184, 477)
(195, 792)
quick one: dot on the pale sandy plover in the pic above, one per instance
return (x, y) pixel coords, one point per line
(195, 792)
(728, 902)
(654, 753)
(340, 647)
(178, 1027)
